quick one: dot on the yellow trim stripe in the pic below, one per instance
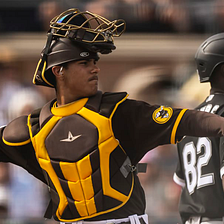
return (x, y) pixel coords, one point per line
(115, 108)
(68, 109)
(44, 160)
(103, 212)
(101, 122)
(173, 134)
(30, 127)
(105, 150)
(16, 143)
(112, 114)
(42, 74)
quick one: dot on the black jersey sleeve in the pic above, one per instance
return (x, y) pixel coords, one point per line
(141, 127)
(199, 124)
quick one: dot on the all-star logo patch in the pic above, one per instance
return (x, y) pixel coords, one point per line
(162, 114)
(70, 138)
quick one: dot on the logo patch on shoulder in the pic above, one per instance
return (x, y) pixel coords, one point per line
(162, 114)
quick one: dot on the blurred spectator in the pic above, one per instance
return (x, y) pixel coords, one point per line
(24, 189)
(139, 14)
(4, 191)
(219, 15)
(9, 84)
(46, 11)
(99, 7)
(24, 101)
(201, 17)
(176, 16)
(171, 16)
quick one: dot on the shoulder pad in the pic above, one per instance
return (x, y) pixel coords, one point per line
(94, 102)
(16, 133)
(110, 100)
(34, 121)
(45, 113)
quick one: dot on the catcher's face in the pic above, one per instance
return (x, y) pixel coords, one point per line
(78, 80)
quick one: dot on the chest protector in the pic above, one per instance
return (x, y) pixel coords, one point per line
(84, 164)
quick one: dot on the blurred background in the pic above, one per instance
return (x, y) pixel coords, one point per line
(154, 62)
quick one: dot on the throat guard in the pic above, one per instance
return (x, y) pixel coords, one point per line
(85, 166)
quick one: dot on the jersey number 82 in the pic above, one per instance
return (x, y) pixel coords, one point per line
(193, 166)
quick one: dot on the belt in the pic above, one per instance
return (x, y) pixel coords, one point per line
(141, 220)
(130, 220)
(205, 219)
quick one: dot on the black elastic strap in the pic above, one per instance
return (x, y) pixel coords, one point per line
(141, 167)
(49, 211)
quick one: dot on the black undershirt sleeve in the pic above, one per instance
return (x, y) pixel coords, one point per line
(200, 124)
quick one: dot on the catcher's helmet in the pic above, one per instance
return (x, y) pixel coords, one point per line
(75, 35)
(209, 55)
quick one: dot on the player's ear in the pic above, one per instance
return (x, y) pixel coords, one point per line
(57, 70)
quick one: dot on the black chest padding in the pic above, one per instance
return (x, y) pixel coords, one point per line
(83, 146)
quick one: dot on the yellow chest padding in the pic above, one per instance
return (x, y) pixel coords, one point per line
(78, 174)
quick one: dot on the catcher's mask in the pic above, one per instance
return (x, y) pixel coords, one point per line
(75, 35)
